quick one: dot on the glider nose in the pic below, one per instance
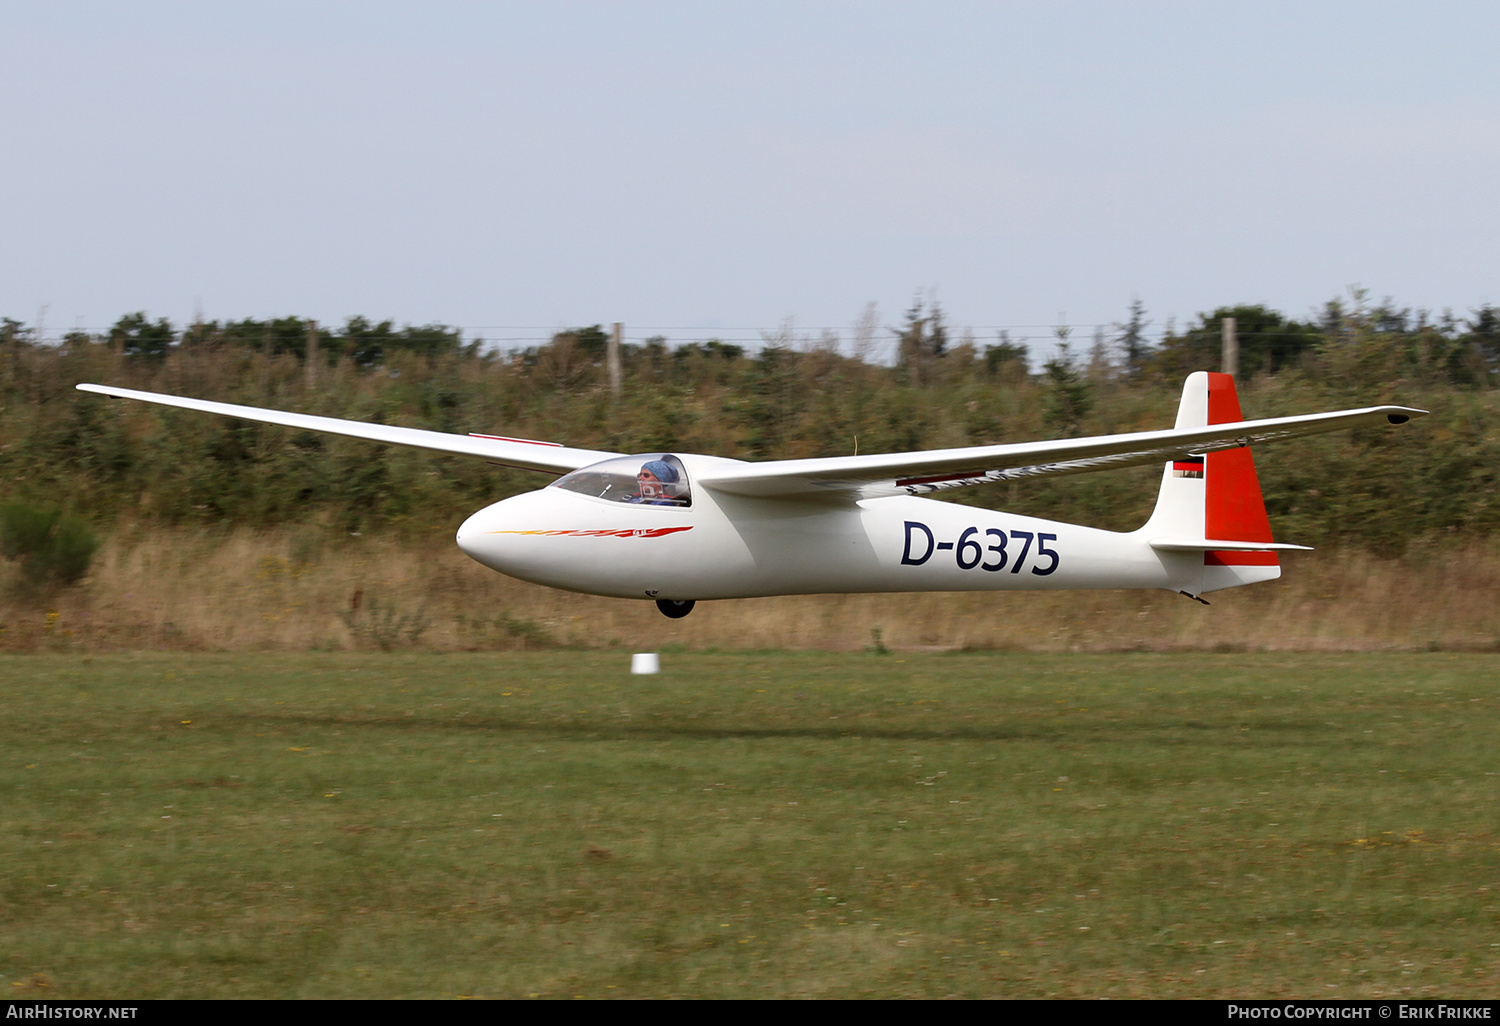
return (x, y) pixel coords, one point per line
(484, 539)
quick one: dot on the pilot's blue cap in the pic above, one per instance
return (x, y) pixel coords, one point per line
(663, 471)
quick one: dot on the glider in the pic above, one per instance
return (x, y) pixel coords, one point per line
(677, 528)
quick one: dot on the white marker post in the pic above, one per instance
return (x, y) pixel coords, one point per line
(645, 662)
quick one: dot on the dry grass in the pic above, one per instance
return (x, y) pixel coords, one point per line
(302, 589)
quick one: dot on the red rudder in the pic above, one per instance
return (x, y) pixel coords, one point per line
(1234, 509)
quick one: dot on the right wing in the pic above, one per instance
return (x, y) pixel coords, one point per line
(511, 452)
(919, 473)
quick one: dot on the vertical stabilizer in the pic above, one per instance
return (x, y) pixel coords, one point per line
(1212, 497)
(1182, 501)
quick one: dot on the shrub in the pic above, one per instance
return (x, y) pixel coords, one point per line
(50, 548)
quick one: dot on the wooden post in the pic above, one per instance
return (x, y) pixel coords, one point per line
(1231, 353)
(12, 351)
(612, 359)
(265, 358)
(311, 369)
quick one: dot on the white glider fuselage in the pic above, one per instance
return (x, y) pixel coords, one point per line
(729, 546)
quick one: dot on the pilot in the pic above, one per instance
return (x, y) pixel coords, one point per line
(656, 484)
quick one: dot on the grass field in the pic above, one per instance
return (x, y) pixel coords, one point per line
(764, 825)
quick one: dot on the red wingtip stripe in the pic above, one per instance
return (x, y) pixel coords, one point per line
(523, 441)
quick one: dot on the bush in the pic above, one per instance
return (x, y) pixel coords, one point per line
(51, 548)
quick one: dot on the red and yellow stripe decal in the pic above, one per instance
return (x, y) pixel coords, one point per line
(623, 532)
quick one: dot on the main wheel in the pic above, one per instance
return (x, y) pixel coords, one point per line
(676, 610)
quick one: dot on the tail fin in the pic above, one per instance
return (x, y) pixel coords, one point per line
(1210, 521)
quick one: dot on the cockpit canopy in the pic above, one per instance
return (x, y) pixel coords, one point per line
(645, 480)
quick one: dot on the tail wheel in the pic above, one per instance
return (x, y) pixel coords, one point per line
(675, 610)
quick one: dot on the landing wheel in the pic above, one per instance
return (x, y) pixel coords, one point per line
(676, 610)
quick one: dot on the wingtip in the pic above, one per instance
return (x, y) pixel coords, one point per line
(1402, 414)
(108, 391)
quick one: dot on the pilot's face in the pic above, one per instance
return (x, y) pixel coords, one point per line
(649, 486)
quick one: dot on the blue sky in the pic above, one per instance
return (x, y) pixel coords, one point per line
(720, 168)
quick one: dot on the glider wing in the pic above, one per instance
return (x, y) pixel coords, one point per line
(919, 473)
(511, 452)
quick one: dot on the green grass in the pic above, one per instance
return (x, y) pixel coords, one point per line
(762, 825)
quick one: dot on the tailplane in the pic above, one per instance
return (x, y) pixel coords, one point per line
(1210, 525)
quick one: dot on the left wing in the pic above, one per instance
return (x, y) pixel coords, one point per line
(917, 473)
(512, 452)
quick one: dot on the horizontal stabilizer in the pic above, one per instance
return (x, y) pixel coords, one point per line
(1216, 545)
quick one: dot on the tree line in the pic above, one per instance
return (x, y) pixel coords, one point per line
(127, 466)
